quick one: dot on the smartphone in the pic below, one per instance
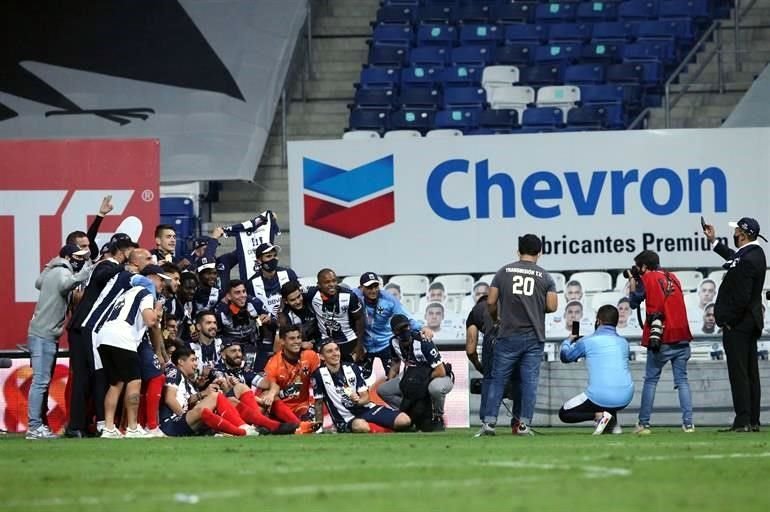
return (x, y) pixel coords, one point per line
(575, 328)
(702, 222)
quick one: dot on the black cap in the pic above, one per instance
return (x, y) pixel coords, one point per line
(205, 264)
(265, 248)
(200, 242)
(228, 342)
(72, 249)
(368, 279)
(749, 226)
(154, 270)
(398, 322)
(122, 241)
(105, 249)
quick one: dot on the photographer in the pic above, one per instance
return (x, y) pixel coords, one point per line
(666, 333)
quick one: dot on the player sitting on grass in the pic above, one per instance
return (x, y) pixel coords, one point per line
(187, 412)
(342, 388)
(237, 385)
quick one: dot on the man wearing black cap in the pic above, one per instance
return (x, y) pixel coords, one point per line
(208, 293)
(59, 277)
(378, 309)
(738, 311)
(81, 352)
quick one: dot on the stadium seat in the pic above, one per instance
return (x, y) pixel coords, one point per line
(392, 35)
(699, 10)
(680, 32)
(499, 76)
(436, 35)
(448, 132)
(559, 280)
(360, 135)
(419, 98)
(379, 78)
(557, 53)
(614, 32)
(402, 134)
(591, 116)
(717, 275)
(481, 35)
(601, 53)
(456, 284)
(411, 284)
(638, 10)
(604, 298)
(542, 117)
(308, 281)
(472, 55)
(593, 281)
(544, 74)
(379, 99)
(625, 73)
(517, 98)
(597, 11)
(429, 56)
(351, 282)
(564, 97)
(461, 76)
(609, 94)
(650, 51)
(396, 15)
(689, 279)
(519, 54)
(375, 120)
(555, 12)
(457, 119)
(436, 14)
(580, 74)
(526, 33)
(464, 97)
(417, 76)
(564, 33)
(499, 121)
(177, 206)
(473, 13)
(388, 56)
(419, 120)
(514, 12)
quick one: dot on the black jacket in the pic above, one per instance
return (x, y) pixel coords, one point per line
(739, 300)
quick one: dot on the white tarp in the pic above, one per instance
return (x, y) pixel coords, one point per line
(457, 204)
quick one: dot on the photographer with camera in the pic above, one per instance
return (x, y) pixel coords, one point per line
(666, 333)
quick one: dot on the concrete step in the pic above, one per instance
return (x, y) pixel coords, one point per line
(296, 123)
(332, 44)
(299, 108)
(346, 8)
(701, 86)
(329, 25)
(698, 99)
(351, 54)
(330, 66)
(710, 76)
(328, 89)
(721, 111)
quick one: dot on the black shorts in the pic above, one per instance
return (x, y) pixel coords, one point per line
(379, 415)
(121, 365)
(177, 426)
(149, 362)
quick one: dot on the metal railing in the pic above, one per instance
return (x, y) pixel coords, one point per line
(715, 29)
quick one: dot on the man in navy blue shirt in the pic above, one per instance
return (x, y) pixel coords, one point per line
(610, 386)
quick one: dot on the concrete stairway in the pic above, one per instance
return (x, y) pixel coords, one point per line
(340, 30)
(703, 106)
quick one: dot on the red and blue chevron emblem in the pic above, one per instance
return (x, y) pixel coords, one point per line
(348, 203)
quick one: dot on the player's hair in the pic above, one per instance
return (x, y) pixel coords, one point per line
(530, 245)
(74, 236)
(203, 313)
(160, 228)
(188, 276)
(289, 288)
(608, 315)
(181, 353)
(171, 268)
(235, 283)
(325, 271)
(438, 285)
(286, 329)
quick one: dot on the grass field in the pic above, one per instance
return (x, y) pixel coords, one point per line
(561, 470)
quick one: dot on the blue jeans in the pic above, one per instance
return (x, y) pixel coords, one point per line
(42, 354)
(526, 350)
(678, 354)
(487, 357)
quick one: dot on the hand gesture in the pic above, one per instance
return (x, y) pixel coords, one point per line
(710, 232)
(427, 333)
(217, 232)
(106, 206)
(264, 319)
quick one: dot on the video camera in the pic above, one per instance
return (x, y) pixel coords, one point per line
(634, 272)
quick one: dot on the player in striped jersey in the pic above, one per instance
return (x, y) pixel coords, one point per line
(341, 387)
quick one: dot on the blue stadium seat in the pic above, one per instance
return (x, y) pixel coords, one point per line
(484, 35)
(177, 207)
(464, 97)
(576, 33)
(610, 94)
(548, 117)
(597, 11)
(472, 55)
(421, 121)
(557, 53)
(614, 31)
(638, 10)
(519, 54)
(458, 119)
(396, 15)
(592, 116)
(376, 120)
(418, 76)
(474, 13)
(436, 14)
(429, 56)
(392, 35)
(436, 35)
(699, 10)
(379, 78)
(419, 98)
(652, 75)
(543, 74)
(625, 73)
(514, 12)
(604, 53)
(680, 32)
(555, 12)
(377, 99)
(388, 56)
(526, 33)
(584, 74)
(461, 76)
(650, 51)
(499, 121)
(410, 3)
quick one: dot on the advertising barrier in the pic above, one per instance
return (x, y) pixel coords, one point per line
(457, 204)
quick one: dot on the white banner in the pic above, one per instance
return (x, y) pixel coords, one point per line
(458, 204)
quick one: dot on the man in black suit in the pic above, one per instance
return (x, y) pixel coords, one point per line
(738, 312)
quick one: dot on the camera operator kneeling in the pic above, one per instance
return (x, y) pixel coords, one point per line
(666, 333)
(422, 389)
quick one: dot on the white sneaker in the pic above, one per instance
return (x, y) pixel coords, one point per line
(485, 430)
(112, 433)
(41, 432)
(137, 433)
(690, 428)
(642, 430)
(251, 430)
(155, 432)
(602, 423)
(617, 429)
(523, 430)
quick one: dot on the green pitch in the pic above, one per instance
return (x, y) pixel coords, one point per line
(561, 470)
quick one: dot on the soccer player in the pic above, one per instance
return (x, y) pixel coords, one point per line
(340, 385)
(208, 345)
(240, 318)
(339, 315)
(297, 312)
(289, 372)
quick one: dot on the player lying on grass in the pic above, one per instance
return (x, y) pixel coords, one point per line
(342, 388)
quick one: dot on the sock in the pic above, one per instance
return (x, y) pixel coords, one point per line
(249, 400)
(219, 424)
(283, 412)
(228, 411)
(256, 418)
(377, 429)
(152, 401)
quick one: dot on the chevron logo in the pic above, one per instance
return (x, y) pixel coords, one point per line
(348, 202)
